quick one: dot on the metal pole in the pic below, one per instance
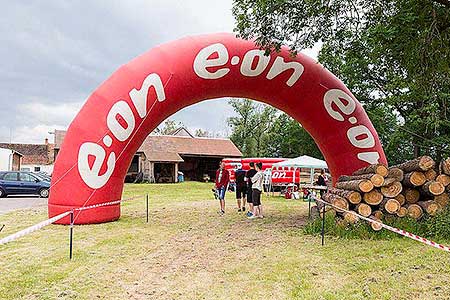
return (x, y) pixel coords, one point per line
(146, 201)
(71, 235)
(323, 225)
(309, 207)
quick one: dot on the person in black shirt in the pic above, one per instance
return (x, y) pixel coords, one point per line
(250, 173)
(241, 189)
(321, 181)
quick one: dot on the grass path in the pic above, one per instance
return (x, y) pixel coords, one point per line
(187, 251)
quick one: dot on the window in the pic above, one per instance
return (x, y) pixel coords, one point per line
(27, 177)
(37, 169)
(10, 177)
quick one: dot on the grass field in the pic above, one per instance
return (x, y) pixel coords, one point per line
(187, 251)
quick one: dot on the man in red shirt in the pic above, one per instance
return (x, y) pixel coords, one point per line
(221, 185)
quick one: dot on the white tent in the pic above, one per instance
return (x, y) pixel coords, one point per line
(303, 161)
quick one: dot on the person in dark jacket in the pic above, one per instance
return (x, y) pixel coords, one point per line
(221, 185)
(241, 189)
(321, 181)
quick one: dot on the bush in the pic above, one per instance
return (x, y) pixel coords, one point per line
(437, 227)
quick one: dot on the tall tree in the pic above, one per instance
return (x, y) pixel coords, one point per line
(393, 54)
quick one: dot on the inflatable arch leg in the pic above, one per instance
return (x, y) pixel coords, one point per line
(118, 116)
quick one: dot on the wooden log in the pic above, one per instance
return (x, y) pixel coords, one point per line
(336, 200)
(444, 179)
(377, 169)
(362, 185)
(412, 196)
(444, 166)
(395, 173)
(391, 206)
(415, 211)
(401, 199)
(388, 181)
(442, 199)
(423, 163)
(378, 214)
(432, 188)
(352, 196)
(373, 197)
(375, 226)
(363, 209)
(393, 190)
(414, 179)
(402, 212)
(430, 174)
(350, 218)
(430, 206)
(376, 179)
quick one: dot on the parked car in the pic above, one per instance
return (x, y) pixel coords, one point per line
(23, 183)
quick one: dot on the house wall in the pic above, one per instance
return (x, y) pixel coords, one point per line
(42, 168)
(5, 159)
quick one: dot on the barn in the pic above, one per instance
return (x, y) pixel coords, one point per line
(161, 157)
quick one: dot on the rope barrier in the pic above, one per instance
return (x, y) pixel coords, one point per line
(390, 228)
(42, 224)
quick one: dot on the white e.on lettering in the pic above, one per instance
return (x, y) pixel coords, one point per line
(361, 130)
(122, 109)
(202, 61)
(139, 97)
(249, 57)
(280, 66)
(91, 176)
(333, 96)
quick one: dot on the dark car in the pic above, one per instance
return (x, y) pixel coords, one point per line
(23, 183)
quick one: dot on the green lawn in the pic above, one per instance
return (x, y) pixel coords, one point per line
(187, 251)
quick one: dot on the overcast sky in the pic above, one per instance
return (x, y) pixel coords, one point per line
(54, 53)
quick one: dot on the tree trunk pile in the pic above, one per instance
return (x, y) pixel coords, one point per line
(412, 189)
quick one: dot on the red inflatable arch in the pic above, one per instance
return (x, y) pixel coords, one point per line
(118, 116)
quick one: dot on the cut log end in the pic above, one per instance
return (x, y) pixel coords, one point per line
(444, 179)
(391, 206)
(433, 188)
(373, 197)
(442, 199)
(393, 190)
(430, 206)
(376, 226)
(415, 211)
(350, 218)
(402, 212)
(414, 179)
(412, 196)
(363, 209)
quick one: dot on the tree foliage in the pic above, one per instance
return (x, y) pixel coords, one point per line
(393, 54)
(260, 130)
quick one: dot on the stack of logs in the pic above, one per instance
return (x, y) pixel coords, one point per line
(413, 189)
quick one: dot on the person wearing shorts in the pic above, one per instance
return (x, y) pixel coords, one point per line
(241, 189)
(248, 177)
(257, 188)
(221, 185)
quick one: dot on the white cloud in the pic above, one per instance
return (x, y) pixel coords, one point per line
(55, 53)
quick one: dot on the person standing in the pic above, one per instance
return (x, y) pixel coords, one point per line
(322, 182)
(241, 189)
(257, 188)
(248, 177)
(221, 185)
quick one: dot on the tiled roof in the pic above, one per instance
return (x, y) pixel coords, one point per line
(159, 145)
(32, 154)
(168, 148)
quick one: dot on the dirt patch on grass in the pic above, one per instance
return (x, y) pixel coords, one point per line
(195, 258)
